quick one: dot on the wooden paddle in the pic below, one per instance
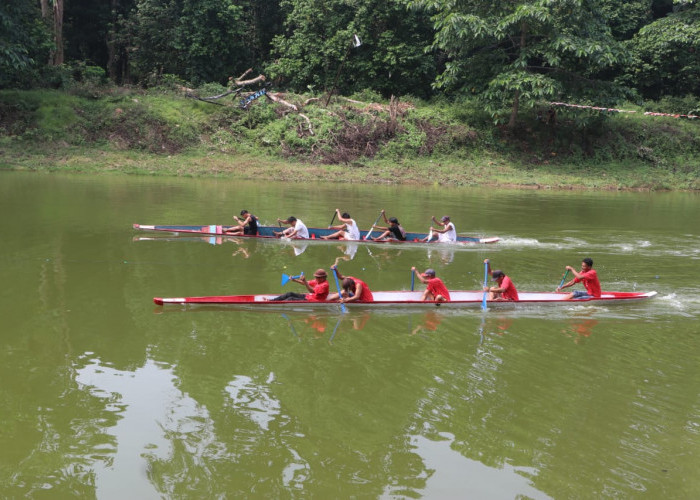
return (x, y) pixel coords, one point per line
(337, 285)
(333, 219)
(372, 228)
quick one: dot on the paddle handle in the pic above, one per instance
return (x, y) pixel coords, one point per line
(333, 219)
(563, 279)
(486, 273)
(372, 228)
(413, 279)
(337, 285)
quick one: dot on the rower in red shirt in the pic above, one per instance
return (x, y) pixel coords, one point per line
(319, 288)
(588, 276)
(505, 290)
(354, 289)
(436, 289)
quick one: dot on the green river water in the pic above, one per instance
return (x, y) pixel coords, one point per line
(105, 395)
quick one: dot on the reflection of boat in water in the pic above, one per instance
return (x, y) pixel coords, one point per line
(429, 323)
(319, 323)
(397, 299)
(212, 240)
(298, 246)
(314, 234)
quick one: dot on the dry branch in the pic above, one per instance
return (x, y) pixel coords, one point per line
(277, 98)
(308, 123)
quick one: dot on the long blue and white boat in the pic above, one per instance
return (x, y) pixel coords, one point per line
(315, 233)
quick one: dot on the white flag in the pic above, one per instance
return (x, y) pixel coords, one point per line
(356, 41)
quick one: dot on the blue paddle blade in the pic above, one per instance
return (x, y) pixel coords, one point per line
(286, 278)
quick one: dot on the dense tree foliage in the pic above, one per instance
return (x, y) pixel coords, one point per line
(24, 41)
(318, 39)
(666, 56)
(199, 40)
(509, 53)
(515, 53)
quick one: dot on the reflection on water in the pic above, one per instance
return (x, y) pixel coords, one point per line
(449, 471)
(103, 398)
(318, 325)
(428, 323)
(151, 391)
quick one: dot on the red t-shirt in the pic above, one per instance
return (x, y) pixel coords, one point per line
(320, 291)
(509, 291)
(437, 287)
(590, 281)
(366, 292)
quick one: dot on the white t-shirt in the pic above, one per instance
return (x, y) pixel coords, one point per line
(450, 235)
(353, 230)
(302, 230)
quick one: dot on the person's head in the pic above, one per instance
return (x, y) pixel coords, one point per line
(393, 220)
(320, 274)
(244, 213)
(291, 220)
(587, 264)
(445, 218)
(429, 273)
(498, 275)
(349, 285)
(346, 215)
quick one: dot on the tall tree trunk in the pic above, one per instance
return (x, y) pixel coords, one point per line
(514, 111)
(58, 31)
(516, 97)
(52, 12)
(113, 48)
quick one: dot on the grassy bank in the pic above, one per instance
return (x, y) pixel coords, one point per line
(363, 140)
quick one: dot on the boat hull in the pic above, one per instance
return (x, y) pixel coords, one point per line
(397, 299)
(315, 233)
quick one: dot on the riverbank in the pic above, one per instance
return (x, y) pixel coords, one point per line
(348, 142)
(446, 172)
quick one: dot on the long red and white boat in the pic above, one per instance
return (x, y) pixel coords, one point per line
(397, 299)
(315, 233)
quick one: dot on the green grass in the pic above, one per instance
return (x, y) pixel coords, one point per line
(450, 143)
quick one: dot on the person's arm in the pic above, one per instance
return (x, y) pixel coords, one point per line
(420, 276)
(334, 267)
(576, 274)
(438, 222)
(341, 218)
(380, 228)
(356, 296)
(436, 230)
(303, 281)
(567, 285)
(386, 221)
(242, 223)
